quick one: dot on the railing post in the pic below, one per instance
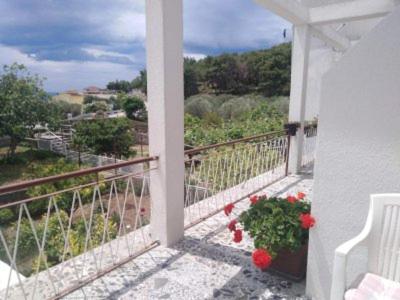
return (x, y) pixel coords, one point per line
(287, 155)
(164, 41)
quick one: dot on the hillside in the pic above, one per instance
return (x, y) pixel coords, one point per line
(264, 72)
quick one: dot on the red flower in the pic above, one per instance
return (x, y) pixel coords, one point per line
(291, 199)
(228, 208)
(300, 195)
(142, 210)
(232, 225)
(237, 236)
(254, 199)
(307, 221)
(261, 258)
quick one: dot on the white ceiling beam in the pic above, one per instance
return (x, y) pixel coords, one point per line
(298, 14)
(331, 37)
(290, 10)
(349, 11)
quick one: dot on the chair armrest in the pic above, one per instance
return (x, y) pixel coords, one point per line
(338, 288)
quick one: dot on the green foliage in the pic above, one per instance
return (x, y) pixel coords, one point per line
(204, 124)
(6, 216)
(66, 108)
(134, 108)
(106, 136)
(226, 74)
(23, 105)
(120, 86)
(265, 72)
(95, 107)
(190, 78)
(274, 224)
(64, 200)
(140, 82)
(54, 248)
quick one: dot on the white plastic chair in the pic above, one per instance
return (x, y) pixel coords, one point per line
(381, 235)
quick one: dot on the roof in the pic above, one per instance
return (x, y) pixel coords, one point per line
(92, 89)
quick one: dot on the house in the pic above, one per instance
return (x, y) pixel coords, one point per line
(345, 72)
(71, 96)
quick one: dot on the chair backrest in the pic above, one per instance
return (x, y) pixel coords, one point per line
(384, 242)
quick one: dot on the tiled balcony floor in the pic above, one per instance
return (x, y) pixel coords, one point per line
(206, 264)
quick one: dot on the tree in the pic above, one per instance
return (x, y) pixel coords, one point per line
(106, 136)
(99, 106)
(140, 82)
(135, 108)
(190, 78)
(66, 108)
(23, 105)
(120, 86)
(225, 74)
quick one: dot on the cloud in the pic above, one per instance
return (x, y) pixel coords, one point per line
(66, 75)
(230, 25)
(92, 34)
(196, 56)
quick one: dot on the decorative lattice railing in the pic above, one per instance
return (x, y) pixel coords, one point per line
(69, 229)
(224, 173)
(61, 232)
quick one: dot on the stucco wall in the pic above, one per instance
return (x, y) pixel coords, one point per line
(321, 59)
(358, 151)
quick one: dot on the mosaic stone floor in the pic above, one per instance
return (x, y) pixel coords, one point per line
(206, 264)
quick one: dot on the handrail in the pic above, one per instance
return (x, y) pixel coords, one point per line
(246, 139)
(54, 178)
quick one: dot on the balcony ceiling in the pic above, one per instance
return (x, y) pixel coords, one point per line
(315, 3)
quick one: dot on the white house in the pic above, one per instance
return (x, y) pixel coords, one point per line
(345, 72)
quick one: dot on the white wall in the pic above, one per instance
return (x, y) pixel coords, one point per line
(321, 59)
(358, 151)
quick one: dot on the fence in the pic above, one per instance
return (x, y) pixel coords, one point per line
(225, 173)
(309, 145)
(73, 228)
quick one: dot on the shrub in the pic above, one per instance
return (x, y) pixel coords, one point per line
(6, 216)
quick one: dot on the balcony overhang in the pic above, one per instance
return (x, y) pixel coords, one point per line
(321, 17)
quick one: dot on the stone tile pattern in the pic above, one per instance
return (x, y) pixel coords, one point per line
(206, 264)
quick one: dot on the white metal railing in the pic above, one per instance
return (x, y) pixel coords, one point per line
(55, 241)
(309, 145)
(222, 175)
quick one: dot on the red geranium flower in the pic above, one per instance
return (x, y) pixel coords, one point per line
(261, 258)
(232, 225)
(300, 195)
(307, 221)
(228, 208)
(254, 199)
(237, 236)
(291, 199)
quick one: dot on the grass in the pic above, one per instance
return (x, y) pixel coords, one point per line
(141, 151)
(15, 170)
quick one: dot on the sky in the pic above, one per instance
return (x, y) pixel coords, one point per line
(79, 43)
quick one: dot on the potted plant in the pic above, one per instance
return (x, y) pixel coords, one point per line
(279, 228)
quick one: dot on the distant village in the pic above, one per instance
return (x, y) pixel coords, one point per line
(75, 96)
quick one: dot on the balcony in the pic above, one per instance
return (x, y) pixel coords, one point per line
(95, 239)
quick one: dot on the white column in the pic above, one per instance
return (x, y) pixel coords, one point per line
(164, 39)
(298, 92)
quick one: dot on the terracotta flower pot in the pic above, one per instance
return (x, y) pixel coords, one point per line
(291, 265)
